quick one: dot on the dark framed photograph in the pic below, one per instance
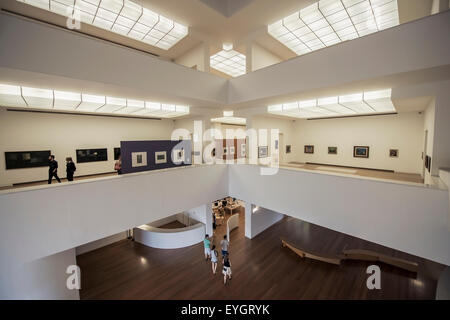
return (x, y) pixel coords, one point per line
(91, 155)
(263, 152)
(393, 153)
(309, 149)
(26, 159)
(428, 163)
(332, 150)
(116, 153)
(360, 152)
(288, 148)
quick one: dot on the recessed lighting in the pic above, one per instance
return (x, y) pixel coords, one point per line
(228, 113)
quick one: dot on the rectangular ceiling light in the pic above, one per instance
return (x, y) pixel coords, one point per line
(230, 120)
(91, 102)
(18, 96)
(328, 22)
(66, 100)
(369, 102)
(124, 17)
(38, 98)
(11, 96)
(229, 62)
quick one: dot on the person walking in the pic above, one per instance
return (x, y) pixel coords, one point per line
(214, 256)
(207, 245)
(52, 169)
(225, 244)
(226, 269)
(118, 165)
(70, 168)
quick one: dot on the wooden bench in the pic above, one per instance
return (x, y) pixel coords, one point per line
(312, 255)
(367, 255)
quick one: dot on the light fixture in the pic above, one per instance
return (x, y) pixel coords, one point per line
(17, 96)
(328, 22)
(228, 113)
(227, 46)
(229, 62)
(230, 120)
(11, 95)
(369, 102)
(119, 16)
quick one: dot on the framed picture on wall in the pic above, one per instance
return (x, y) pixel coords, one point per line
(360, 152)
(428, 163)
(138, 159)
(309, 149)
(332, 150)
(393, 153)
(225, 151)
(276, 144)
(116, 153)
(243, 150)
(263, 151)
(288, 148)
(91, 155)
(232, 150)
(178, 155)
(26, 159)
(160, 157)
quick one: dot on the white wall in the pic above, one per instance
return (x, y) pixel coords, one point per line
(194, 57)
(63, 134)
(429, 120)
(406, 217)
(262, 58)
(401, 131)
(260, 220)
(44, 278)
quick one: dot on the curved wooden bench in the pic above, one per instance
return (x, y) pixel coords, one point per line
(367, 255)
(312, 255)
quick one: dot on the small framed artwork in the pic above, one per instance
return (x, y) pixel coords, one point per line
(232, 150)
(332, 150)
(178, 155)
(428, 163)
(360, 152)
(276, 144)
(160, 157)
(225, 151)
(393, 153)
(116, 153)
(243, 150)
(309, 149)
(288, 148)
(138, 159)
(262, 152)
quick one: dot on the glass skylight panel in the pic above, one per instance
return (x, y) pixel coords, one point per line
(17, 96)
(11, 96)
(230, 62)
(370, 102)
(113, 104)
(120, 16)
(230, 120)
(38, 98)
(328, 22)
(91, 102)
(66, 100)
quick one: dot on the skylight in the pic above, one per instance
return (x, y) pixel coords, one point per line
(230, 120)
(25, 97)
(328, 22)
(120, 16)
(228, 61)
(372, 102)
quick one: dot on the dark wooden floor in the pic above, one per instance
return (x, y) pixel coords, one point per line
(262, 269)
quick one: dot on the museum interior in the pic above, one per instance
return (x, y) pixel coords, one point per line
(304, 141)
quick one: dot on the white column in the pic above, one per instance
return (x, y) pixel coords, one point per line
(439, 6)
(248, 219)
(209, 219)
(206, 56)
(248, 57)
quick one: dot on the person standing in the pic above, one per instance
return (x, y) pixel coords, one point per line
(207, 244)
(118, 165)
(70, 168)
(52, 169)
(226, 269)
(214, 257)
(225, 244)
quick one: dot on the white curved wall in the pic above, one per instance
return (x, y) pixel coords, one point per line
(169, 238)
(232, 223)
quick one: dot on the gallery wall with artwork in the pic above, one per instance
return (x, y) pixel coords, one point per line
(148, 155)
(63, 135)
(390, 142)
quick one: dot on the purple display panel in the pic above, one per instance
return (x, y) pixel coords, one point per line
(151, 147)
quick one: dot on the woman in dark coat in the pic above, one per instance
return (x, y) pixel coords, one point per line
(70, 168)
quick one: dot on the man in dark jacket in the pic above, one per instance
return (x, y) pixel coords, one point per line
(52, 169)
(70, 168)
